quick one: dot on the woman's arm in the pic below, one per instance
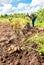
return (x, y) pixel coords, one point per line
(29, 16)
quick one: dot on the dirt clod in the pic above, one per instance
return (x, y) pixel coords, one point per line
(17, 63)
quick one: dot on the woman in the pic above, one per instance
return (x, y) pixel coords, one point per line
(33, 18)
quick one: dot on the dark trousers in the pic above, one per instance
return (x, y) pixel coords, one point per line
(33, 23)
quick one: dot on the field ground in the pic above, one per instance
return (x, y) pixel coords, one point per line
(23, 48)
(22, 44)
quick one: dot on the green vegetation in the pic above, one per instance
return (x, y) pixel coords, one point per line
(41, 50)
(23, 19)
(40, 18)
(13, 16)
(37, 39)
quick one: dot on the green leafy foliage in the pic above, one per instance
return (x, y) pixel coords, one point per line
(41, 50)
(36, 39)
(40, 18)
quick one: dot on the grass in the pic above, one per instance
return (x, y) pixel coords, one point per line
(36, 39)
(14, 20)
(4, 20)
(39, 24)
(22, 21)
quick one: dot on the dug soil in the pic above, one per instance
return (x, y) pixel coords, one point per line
(13, 52)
